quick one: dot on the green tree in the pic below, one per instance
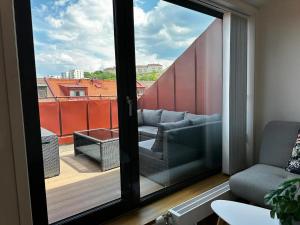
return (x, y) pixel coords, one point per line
(100, 75)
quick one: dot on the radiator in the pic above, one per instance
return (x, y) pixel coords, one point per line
(197, 208)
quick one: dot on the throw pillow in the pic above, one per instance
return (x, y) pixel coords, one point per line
(140, 117)
(162, 127)
(294, 162)
(151, 117)
(171, 116)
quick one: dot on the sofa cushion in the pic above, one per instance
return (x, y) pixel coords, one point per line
(294, 163)
(162, 127)
(171, 116)
(206, 119)
(151, 117)
(277, 143)
(253, 183)
(145, 148)
(149, 131)
(140, 117)
(191, 116)
(213, 117)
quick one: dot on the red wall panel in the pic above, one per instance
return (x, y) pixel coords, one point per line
(150, 97)
(209, 70)
(114, 114)
(166, 90)
(73, 116)
(49, 116)
(99, 114)
(185, 92)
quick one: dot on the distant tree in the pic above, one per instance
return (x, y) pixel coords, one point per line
(103, 75)
(148, 76)
(100, 75)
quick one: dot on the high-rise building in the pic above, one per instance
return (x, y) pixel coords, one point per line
(73, 74)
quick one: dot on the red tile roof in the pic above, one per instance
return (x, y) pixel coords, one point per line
(94, 87)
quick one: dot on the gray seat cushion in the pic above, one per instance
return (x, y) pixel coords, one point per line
(171, 116)
(278, 141)
(151, 117)
(145, 148)
(149, 131)
(253, 183)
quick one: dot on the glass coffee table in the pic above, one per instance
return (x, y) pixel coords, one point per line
(100, 145)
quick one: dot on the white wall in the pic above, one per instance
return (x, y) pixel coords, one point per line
(277, 72)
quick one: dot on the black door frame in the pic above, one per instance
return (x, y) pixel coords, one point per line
(126, 88)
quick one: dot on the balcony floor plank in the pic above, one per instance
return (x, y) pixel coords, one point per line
(81, 186)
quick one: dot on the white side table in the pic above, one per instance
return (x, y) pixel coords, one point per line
(236, 213)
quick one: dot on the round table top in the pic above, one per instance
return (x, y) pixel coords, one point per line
(236, 213)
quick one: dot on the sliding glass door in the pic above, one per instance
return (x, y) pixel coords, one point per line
(121, 100)
(179, 92)
(76, 109)
(77, 98)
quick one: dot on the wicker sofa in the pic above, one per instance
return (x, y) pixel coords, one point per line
(183, 152)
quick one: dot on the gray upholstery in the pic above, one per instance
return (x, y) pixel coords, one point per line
(253, 183)
(145, 148)
(278, 141)
(147, 132)
(256, 181)
(199, 119)
(184, 148)
(162, 127)
(140, 117)
(213, 117)
(151, 117)
(171, 116)
(191, 116)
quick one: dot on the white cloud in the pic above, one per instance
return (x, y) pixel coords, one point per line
(80, 34)
(54, 22)
(60, 2)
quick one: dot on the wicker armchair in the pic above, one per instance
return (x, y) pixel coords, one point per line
(50, 153)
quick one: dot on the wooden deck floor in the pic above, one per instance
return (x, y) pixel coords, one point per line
(81, 186)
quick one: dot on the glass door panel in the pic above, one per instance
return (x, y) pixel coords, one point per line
(179, 94)
(77, 92)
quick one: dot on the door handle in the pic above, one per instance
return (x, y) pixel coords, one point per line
(129, 102)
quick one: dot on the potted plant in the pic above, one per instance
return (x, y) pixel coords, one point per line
(285, 202)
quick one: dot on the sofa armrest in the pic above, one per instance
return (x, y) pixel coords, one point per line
(183, 145)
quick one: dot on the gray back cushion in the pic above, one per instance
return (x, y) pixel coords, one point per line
(205, 118)
(140, 117)
(151, 117)
(278, 141)
(213, 117)
(162, 127)
(191, 116)
(171, 116)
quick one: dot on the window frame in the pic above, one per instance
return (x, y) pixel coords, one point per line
(126, 85)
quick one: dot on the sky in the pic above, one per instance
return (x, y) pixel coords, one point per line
(79, 34)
